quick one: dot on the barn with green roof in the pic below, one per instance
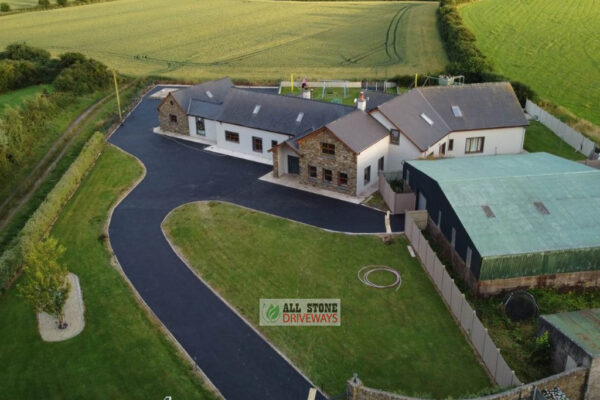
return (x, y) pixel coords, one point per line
(512, 221)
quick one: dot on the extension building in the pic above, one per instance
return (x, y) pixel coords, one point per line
(342, 148)
(513, 221)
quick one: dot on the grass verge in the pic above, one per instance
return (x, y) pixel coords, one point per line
(120, 353)
(540, 138)
(16, 97)
(404, 341)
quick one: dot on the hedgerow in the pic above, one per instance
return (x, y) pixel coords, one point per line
(42, 219)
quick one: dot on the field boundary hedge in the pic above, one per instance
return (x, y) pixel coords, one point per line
(43, 218)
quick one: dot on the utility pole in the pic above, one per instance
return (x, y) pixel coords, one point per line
(118, 97)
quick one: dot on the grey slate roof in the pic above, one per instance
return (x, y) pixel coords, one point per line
(375, 99)
(358, 130)
(278, 113)
(483, 106)
(218, 89)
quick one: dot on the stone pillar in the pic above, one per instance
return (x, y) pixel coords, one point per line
(275, 161)
(593, 382)
(352, 388)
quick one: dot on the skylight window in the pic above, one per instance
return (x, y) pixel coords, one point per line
(457, 111)
(427, 119)
(209, 94)
(256, 109)
(299, 117)
(541, 207)
(488, 211)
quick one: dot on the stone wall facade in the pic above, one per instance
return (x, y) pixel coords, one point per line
(344, 161)
(169, 107)
(573, 383)
(275, 152)
(568, 279)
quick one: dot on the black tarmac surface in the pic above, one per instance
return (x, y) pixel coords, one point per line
(233, 356)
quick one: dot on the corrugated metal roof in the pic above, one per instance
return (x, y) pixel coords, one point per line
(358, 130)
(582, 327)
(483, 106)
(511, 185)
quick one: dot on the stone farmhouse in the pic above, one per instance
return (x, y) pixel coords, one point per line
(343, 148)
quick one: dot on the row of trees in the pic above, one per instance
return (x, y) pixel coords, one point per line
(5, 7)
(22, 65)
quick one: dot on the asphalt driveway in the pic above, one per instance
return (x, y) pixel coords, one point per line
(237, 360)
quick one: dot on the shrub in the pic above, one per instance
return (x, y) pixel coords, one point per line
(42, 219)
(83, 77)
(44, 3)
(4, 7)
(61, 3)
(21, 51)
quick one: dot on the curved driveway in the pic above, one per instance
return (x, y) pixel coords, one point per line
(237, 360)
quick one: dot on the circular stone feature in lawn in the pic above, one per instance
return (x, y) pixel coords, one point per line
(48, 324)
(379, 277)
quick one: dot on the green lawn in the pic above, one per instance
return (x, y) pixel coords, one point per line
(540, 138)
(16, 97)
(401, 340)
(551, 45)
(251, 40)
(120, 354)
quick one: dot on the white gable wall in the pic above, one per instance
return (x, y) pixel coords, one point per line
(397, 153)
(245, 144)
(370, 157)
(497, 141)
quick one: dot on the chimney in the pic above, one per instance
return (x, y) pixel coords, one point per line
(361, 103)
(306, 93)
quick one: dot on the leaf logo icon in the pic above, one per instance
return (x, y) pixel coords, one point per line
(272, 313)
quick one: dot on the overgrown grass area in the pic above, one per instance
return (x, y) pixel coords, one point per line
(376, 201)
(99, 122)
(516, 340)
(271, 39)
(540, 138)
(120, 353)
(16, 97)
(57, 126)
(404, 340)
(547, 44)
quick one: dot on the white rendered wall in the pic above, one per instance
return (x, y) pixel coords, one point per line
(497, 141)
(210, 128)
(370, 157)
(245, 144)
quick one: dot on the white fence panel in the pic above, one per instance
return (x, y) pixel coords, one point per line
(466, 317)
(439, 275)
(575, 139)
(478, 335)
(490, 355)
(456, 302)
(447, 284)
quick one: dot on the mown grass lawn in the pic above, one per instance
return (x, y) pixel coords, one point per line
(120, 354)
(16, 97)
(540, 138)
(551, 45)
(250, 40)
(403, 340)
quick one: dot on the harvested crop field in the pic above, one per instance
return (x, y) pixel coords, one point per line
(252, 40)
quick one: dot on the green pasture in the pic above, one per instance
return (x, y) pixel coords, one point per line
(552, 45)
(248, 40)
(16, 97)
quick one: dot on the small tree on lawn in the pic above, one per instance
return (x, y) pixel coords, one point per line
(45, 284)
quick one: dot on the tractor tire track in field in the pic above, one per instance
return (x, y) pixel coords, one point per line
(389, 44)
